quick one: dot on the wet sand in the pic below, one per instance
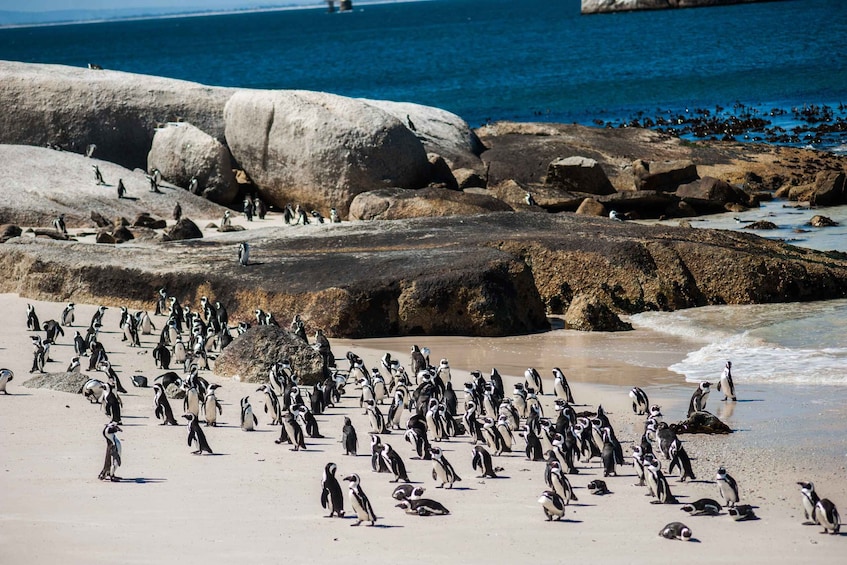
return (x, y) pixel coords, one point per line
(256, 500)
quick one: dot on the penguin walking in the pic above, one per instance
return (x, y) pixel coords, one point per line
(67, 317)
(810, 501)
(676, 530)
(481, 462)
(395, 463)
(113, 453)
(6, 376)
(248, 419)
(212, 406)
(359, 501)
(243, 254)
(552, 504)
(608, 454)
(196, 437)
(698, 399)
(727, 487)
(376, 419)
(827, 516)
(639, 401)
(348, 438)
(162, 407)
(442, 471)
(331, 495)
(726, 385)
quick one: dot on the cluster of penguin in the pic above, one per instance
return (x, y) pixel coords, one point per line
(491, 419)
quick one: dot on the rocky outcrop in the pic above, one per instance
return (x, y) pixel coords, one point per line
(118, 112)
(181, 152)
(827, 189)
(605, 6)
(578, 174)
(399, 204)
(591, 207)
(710, 195)
(819, 221)
(489, 274)
(183, 229)
(592, 313)
(440, 131)
(663, 176)
(251, 355)
(319, 149)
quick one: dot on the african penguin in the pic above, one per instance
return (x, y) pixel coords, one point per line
(727, 487)
(331, 495)
(442, 470)
(196, 437)
(725, 384)
(359, 501)
(552, 504)
(113, 453)
(676, 530)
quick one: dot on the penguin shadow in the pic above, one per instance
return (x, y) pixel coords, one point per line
(566, 521)
(456, 488)
(128, 197)
(141, 480)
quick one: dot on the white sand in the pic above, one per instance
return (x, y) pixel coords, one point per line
(258, 502)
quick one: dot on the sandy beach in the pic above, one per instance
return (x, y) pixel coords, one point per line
(258, 500)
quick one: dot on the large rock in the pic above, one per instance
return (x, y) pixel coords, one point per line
(591, 207)
(590, 312)
(250, 356)
(710, 195)
(74, 107)
(828, 189)
(181, 151)
(440, 131)
(640, 203)
(183, 229)
(398, 204)
(319, 149)
(579, 174)
(604, 6)
(663, 176)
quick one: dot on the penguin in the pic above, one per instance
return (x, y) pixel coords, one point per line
(271, 404)
(243, 254)
(395, 411)
(698, 399)
(359, 501)
(331, 496)
(59, 224)
(639, 401)
(394, 462)
(74, 366)
(679, 458)
(617, 216)
(703, 507)
(121, 188)
(442, 470)
(726, 385)
(560, 484)
(553, 505)
(67, 317)
(318, 216)
(248, 419)
(92, 390)
(111, 403)
(194, 186)
(530, 201)
(5, 377)
(292, 432)
(810, 501)
(196, 437)
(32, 319)
(377, 421)
(177, 213)
(418, 362)
(97, 318)
(534, 449)
(663, 489)
(334, 216)
(191, 402)
(138, 381)
(417, 437)
(638, 463)
(827, 516)
(98, 176)
(492, 437)
(145, 323)
(561, 388)
(162, 407)
(307, 421)
(113, 453)
(423, 507)
(39, 354)
(727, 487)
(168, 379)
(608, 454)
(378, 464)
(676, 530)
(481, 462)
(212, 406)
(261, 208)
(598, 487)
(742, 512)
(407, 491)
(410, 124)
(533, 379)
(80, 345)
(348, 438)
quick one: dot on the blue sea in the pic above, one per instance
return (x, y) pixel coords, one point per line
(539, 60)
(495, 59)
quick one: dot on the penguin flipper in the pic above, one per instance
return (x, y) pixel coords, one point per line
(325, 497)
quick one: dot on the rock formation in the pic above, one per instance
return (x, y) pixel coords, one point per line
(603, 6)
(398, 204)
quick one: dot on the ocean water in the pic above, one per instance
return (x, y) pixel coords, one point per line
(491, 59)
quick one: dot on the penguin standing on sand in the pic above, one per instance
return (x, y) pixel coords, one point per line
(113, 453)
(377, 462)
(39, 354)
(442, 470)
(162, 407)
(32, 319)
(98, 176)
(810, 501)
(639, 401)
(248, 419)
(196, 437)
(698, 399)
(561, 388)
(482, 463)
(394, 462)
(827, 516)
(111, 403)
(359, 501)
(348, 438)
(212, 406)
(177, 213)
(67, 318)
(5, 376)
(331, 495)
(121, 188)
(727, 487)
(726, 385)
(552, 504)
(292, 432)
(243, 254)
(533, 379)
(679, 458)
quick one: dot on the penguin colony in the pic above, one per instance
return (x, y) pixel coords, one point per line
(423, 405)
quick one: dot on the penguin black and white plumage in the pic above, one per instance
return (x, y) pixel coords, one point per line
(742, 513)
(248, 419)
(292, 431)
(113, 453)
(67, 317)
(530, 201)
(481, 462)
(395, 463)
(561, 388)
(553, 505)
(534, 449)
(639, 401)
(271, 404)
(162, 408)
(32, 319)
(727, 487)
(492, 437)
(598, 487)
(39, 354)
(378, 464)
(98, 176)
(608, 454)
(533, 379)
(334, 216)
(407, 491)
(376, 419)
(80, 345)
(307, 421)
(111, 403)
(6, 376)
(348, 438)
(212, 406)
(810, 501)
(121, 188)
(679, 458)
(359, 501)
(638, 464)
(331, 496)
(827, 516)
(177, 213)
(196, 437)
(698, 399)
(703, 507)
(59, 224)
(561, 485)
(244, 254)
(417, 437)
(676, 530)
(725, 384)
(442, 471)
(423, 507)
(138, 381)
(663, 488)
